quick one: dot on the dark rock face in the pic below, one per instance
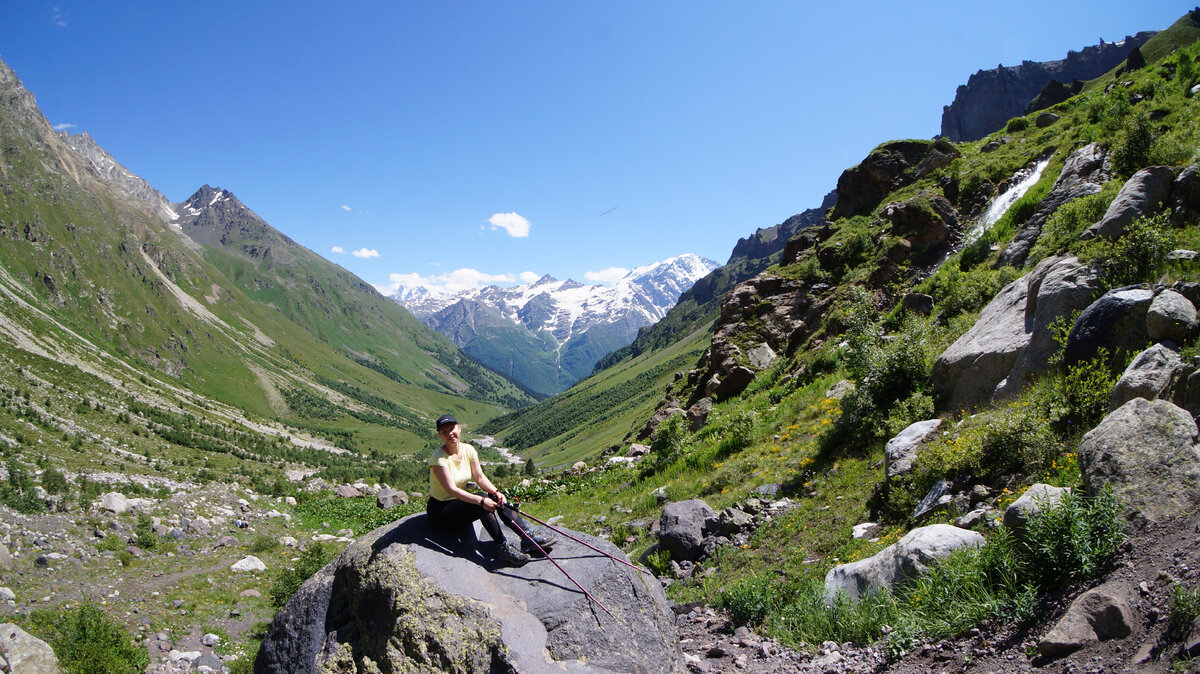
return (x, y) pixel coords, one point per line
(766, 242)
(888, 167)
(681, 529)
(407, 598)
(1116, 321)
(992, 97)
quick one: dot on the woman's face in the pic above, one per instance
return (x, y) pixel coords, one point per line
(449, 433)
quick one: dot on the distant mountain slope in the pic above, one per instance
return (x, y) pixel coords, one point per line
(701, 304)
(550, 333)
(92, 275)
(992, 97)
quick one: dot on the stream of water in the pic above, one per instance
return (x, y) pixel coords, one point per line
(1001, 203)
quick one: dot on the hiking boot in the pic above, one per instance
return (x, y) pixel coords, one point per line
(544, 539)
(509, 554)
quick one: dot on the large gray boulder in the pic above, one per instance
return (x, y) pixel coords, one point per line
(1171, 317)
(1146, 452)
(409, 598)
(912, 555)
(1011, 341)
(1148, 375)
(681, 529)
(1115, 322)
(901, 451)
(1185, 196)
(25, 653)
(1099, 614)
(1142, 195)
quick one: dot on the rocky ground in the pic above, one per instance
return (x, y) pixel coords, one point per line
(192, 609)
(1153, 561)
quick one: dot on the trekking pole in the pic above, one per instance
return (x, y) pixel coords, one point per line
(590, 547)
(547, 556)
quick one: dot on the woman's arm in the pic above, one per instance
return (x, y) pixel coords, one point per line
(442, 475)
(484, 483)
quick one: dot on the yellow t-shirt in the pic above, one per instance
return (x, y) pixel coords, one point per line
(459, 469)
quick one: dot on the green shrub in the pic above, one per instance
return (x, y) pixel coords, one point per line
(670, 439)
(147, 538)
(287, 581)
(1135, 257)
(1185, 607)
(263, 543)
(18, 492)
(957, 291)
(1132, 150)
(1017, 124)
(739, 432)
(1063, 227)
(1078, 399)
(749, 600)
(1074, 540)
(659, 562)
(87, 641)
(54, 482)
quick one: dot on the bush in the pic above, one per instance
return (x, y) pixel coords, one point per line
(1185, 607)
(147, 538)
(1063, 227)
(287, 581)
(1017, 124)
(1132, 151)
(87, 641)
(749, 600)
(739, 433)
(1078, 398)
(670, 439)
(1135, 257)
(18, 492)
(1074, 540)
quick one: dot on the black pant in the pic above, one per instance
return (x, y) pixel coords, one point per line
(454, 514)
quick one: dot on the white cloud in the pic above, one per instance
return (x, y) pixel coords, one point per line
(516, 226)
(346, 208)
(60, 19)
(365, 253)
(528, 277)
(445, 284)
(63, 127)
(338, 249)
(610, 275)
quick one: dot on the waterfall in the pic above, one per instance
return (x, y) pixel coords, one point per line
(1002, 202)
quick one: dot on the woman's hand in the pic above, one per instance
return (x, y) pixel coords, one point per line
(488, 505)
(499, 497)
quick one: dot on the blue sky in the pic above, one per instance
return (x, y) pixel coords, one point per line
(468, 142)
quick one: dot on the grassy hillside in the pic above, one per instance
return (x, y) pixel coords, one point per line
(599, 412)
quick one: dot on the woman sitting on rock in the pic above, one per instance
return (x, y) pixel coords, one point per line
(451, 506)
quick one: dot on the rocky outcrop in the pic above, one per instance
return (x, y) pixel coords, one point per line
(888, 167)
(1083, 173)
(406, 598)
(1143, 195)
(1146, 452)
(1011, 340)
(765, 242)
(992, 97)
(911, 556)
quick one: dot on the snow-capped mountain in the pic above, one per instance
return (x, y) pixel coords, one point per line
(549, 333)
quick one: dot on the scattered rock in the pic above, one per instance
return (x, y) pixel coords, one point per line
(249, 563)
(901, 450)
(1171, 317)
(347, 491)
(682, 528)
(1148, 375)
(1096, 615)
(1034, 500)
(25, 653)
(912, 555)
(389, 498)
(1116, 322)
(1142, 195)
(115, 502)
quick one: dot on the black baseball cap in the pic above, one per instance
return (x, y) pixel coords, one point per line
(445, 419)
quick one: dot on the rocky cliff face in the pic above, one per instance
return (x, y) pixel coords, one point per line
(112, 173)
(767, 241)
(992, 97)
